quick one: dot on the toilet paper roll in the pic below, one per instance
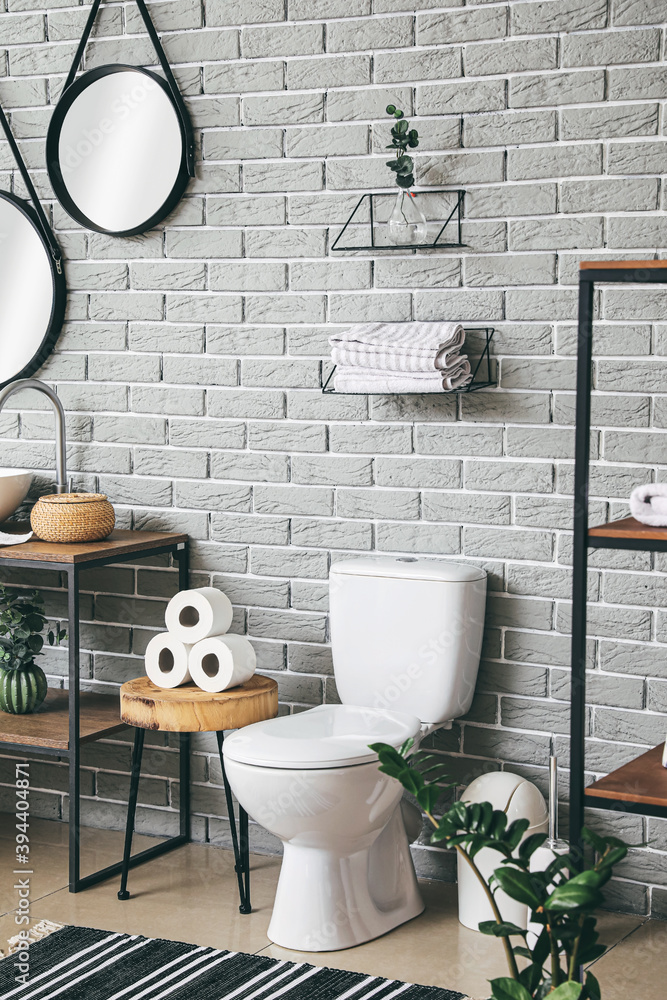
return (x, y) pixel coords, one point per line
(193, 615)
(167, 661)
(221, 662)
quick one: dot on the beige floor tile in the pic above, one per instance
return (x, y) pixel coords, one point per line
(191, 895)
(637, 967)
(49, 856)
(614, 927)
(188, 895)
(433, 949)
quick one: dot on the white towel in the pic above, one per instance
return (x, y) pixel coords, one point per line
(402, 347)
(11, 538)
(648, 504)
(378, 380)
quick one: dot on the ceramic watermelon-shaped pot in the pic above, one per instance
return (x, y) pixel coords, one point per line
(22, 689)
(23, 685)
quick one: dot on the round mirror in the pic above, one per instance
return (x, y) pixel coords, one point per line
(115, 150)
(32, 292)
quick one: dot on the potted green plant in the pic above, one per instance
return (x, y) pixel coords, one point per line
(562, 898)
(407, 223)
(23, 683)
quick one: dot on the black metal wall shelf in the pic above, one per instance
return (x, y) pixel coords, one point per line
(375, 222)
(641, 785)
(472, 386)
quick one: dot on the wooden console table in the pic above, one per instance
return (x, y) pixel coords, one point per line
(71, 718)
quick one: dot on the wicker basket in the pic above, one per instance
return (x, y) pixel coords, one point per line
(73, 517)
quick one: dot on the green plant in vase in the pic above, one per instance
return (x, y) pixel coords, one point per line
(407, 223)
(23, 684)
(562, 899)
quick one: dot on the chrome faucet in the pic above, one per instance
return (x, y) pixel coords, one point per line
(59, 414)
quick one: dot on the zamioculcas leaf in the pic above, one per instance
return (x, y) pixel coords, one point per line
(528, 847)
(500, 930)
(498, 823)
(571, 897)
(559, 863)
(475, 815)
(509, 989)
(593, 839)
(517, 885)
(592, 987)
(615, 855)
(591, 954)
(515, 832)
(531, 975)
(567, 991)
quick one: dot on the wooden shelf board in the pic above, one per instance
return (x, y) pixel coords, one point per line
(621, 265)
(99, 716)
(643, 780)
(120, 542)
(628, 527)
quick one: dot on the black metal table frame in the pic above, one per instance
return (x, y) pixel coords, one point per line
(180, 551)
(240, 841)
(582, 541)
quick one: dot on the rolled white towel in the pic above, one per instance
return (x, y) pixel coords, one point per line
(379, 380)
(402, 347)
(648, 504)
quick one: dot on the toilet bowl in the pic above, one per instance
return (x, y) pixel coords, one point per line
(346, 875)
(406, 637)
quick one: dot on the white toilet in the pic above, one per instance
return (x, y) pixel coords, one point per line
(406, 636)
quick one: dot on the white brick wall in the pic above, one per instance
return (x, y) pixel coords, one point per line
(190, 360)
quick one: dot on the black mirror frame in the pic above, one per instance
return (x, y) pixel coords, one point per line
(59, 300)
(34, 213)
(74, 87)
(53, 162)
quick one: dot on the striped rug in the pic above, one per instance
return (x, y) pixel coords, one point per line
(78, 963)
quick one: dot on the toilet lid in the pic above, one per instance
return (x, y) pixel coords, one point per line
(326, 736)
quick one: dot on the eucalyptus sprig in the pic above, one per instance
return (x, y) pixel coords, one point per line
(402, 138)
(562, 899)
(22, 621)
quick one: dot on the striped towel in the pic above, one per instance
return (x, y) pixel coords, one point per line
(378, 380)
(400, 347)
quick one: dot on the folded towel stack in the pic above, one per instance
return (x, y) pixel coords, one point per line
(400, 357)
(648, 504)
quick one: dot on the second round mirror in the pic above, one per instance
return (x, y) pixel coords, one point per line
(116, 150)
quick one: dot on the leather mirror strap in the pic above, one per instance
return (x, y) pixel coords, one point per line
(166, 69)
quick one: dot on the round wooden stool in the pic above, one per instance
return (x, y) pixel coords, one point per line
(186, 710)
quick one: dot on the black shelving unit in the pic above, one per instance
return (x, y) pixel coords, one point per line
(70, 718)
(641, 785)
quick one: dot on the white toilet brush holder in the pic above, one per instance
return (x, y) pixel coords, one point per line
(551, 848)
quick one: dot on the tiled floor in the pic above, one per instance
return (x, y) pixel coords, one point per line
(190, 895)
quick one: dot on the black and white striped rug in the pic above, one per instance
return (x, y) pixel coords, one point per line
(78, 963)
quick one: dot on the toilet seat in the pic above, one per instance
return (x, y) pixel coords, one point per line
(329, 736)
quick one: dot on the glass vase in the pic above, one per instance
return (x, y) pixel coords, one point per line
(407, 223)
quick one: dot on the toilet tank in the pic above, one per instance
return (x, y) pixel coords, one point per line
(406, 634)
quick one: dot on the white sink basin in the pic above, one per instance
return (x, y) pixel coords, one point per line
(14, 486)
